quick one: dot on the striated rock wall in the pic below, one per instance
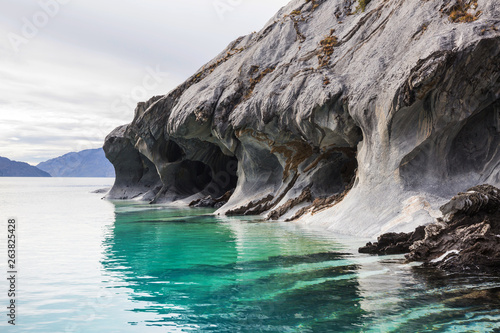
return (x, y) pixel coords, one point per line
(359, 122)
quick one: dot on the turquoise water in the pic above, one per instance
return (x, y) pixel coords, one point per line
(90, 265)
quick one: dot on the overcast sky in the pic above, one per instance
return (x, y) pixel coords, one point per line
(72, 70)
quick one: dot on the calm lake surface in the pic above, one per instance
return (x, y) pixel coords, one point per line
(90, 265)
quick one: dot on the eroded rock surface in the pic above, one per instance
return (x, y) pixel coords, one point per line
(394, 243)
(466, 240)
(211, 202)
(469, 238)
(398, 103)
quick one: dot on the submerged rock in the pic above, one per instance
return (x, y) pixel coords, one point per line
(475, 298)
(380, 112)
(467, 240)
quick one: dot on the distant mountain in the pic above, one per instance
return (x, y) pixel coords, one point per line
(87, 163)
(10, 168)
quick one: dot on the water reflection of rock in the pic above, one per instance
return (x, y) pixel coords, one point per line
(399, 297)
(196, 270)
(416, 299)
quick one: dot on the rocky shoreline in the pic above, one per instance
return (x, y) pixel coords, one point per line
(466, 239)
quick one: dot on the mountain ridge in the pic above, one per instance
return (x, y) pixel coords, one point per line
(86, 163)
(10, 168)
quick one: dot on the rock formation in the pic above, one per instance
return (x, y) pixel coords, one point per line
(359, 117)
(394, 243)
(466, 240)
(210, 202)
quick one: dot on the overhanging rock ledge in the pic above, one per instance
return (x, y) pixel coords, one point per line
(360, 122)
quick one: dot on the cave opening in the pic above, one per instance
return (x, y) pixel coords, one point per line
(338, 172)
(171, 151)
(192, 177)
(214, 179)
(224, 176)
(476, 145)
(466, 158)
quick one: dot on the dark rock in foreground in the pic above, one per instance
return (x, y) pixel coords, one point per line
(10, 168)
(466, 239)
(393, 243)
(210, 202)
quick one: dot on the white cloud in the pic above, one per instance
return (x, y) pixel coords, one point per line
(65, 88)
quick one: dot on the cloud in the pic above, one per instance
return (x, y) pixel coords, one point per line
(80, 75)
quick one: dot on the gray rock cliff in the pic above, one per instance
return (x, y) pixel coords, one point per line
(357, 121)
